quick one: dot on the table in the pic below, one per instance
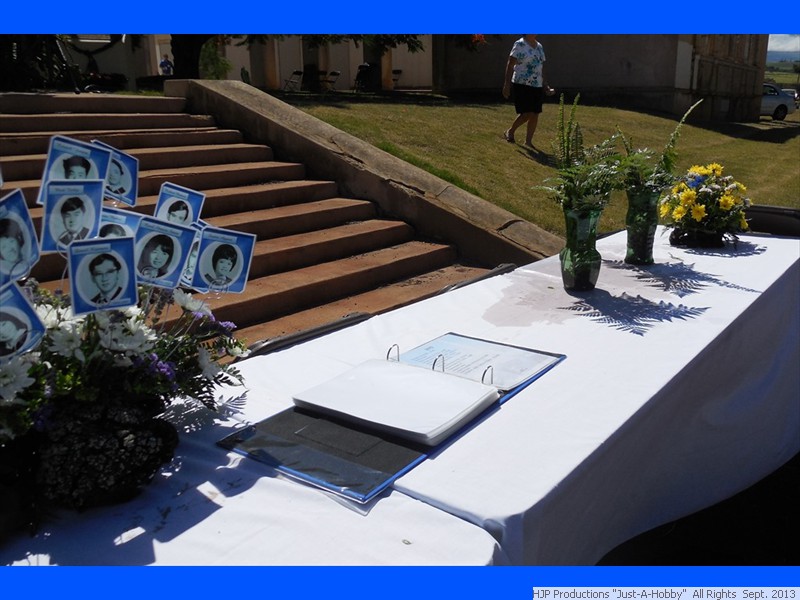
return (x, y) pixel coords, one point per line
(681, 387)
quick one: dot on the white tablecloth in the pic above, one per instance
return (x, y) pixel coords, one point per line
(215, 508)
(681, 387)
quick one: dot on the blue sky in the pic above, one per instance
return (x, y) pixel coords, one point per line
(786, 42)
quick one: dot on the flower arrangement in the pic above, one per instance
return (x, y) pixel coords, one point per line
(586, 175)
(705, 204)
(87, 399)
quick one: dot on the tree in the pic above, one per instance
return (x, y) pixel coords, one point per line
(186, 48)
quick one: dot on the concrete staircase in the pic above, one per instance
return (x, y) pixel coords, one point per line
(319, 256)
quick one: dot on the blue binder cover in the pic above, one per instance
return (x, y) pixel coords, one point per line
(350, 458)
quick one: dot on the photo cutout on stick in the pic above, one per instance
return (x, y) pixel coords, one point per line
(20, 327)
(224, 260)
(178, 205)
(161, 251)
(122, 182)
(115, 222)
(71, 213)
(191, 261)
(71, 160)
(19, 245)
(101, 274)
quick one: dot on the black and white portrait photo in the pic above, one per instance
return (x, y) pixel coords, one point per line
(20, 327)
(178, 204)
(161, 251)
(71, 213)
(123, 175)
(73, 160)
(223, 264)
(101, 274)
(19, 246)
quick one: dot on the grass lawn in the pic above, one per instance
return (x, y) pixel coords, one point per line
(461, 141)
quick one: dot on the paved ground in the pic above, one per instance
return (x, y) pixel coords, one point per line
(758, 527)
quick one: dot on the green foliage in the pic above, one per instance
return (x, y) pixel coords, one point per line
(213, 64)
(586, 175)
(642, 171)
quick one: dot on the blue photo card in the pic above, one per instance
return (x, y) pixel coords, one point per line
(224, 260)
(191, 262)
(71, 212)
(179, 205)
(101, 274)
(19, 245)
(161, 251)
(115, 222)
(73, 160)
(20, 327)
(122, 181)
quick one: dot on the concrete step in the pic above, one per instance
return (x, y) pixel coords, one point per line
(380, 300)
(10, 123)
(318, 256)
(266, 298)
(281, 294)
(296, 218)
(31, 166)
(230, 201)
(277, 254)
(196, 178)
(39, 103)
(14, 144)
(292, 252)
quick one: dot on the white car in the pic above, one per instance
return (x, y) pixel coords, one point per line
(776, 103)
(794, 94)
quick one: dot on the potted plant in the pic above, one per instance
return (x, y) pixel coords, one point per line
(644, 176)
(586, 176)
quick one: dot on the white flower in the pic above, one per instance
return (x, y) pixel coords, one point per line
(209, 367)
(14, 378)
(66, 340)
(236, 350)
(127, 337)
(187, 303)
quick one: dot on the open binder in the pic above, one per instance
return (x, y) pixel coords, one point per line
(359, 431)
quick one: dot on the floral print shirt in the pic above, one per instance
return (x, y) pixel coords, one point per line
(530, 61)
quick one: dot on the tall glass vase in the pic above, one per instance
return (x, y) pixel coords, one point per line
(641, 221)
(580, 260)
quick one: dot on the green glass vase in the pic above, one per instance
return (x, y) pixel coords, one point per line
(580, 260)
(641, 221)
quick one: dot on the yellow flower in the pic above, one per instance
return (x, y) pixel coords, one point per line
(726, 202)
(679, 212)
(740, 186)
(664, 210)
(715, 169)
(700, 170)
(698, 212)
(688, 197)
(743, 222)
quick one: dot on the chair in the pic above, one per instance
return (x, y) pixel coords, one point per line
(293, 83)
(362, 78)
(329, 83)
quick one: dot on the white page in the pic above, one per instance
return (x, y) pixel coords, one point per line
(470, 357)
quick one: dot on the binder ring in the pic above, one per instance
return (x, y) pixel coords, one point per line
(490, 370)
(435, 360)
(396, 348)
